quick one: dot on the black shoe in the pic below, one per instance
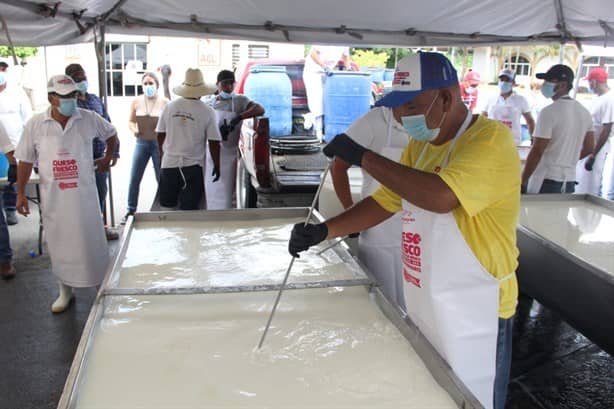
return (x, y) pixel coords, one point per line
(125, 218)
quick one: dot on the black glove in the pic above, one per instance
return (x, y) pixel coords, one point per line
(12, 174)
(215, 173)
(353, 235)
(225, 130)
(342, 146)
(235, 121)
(328, 72)
(588, 165)
(523, 189)
(304, 236)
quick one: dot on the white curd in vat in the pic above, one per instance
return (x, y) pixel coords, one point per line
(584, 229)
(327, 348)
(222, 253)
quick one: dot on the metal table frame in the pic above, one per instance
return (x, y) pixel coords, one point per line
(438, 368)
(580, 292)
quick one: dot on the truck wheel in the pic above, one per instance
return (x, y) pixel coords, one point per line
(246, 194)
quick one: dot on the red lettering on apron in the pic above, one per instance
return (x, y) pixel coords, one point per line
(65, 169)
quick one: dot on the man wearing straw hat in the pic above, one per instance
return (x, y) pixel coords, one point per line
(184, 127)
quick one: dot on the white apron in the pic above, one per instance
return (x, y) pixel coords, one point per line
(510, 117)
(379, 246)
(449, 295)
(219, 194)
(314, 86)
(69, 201)
(590, 182)
(537, 178)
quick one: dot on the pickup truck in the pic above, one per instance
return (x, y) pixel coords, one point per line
(281, 171)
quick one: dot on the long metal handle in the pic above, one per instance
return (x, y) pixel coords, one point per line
(283, 284)
(330, 246)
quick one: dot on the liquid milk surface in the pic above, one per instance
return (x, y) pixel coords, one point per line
(584, 229)
(223, 253)
(328, 348)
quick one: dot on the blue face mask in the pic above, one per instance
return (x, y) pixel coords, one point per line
(505, 87)
(149, 90)
(416, 126)
(68, 106)
(82, 86)
(2, 78)
(225, 95)
(470, 90)
(548, 89)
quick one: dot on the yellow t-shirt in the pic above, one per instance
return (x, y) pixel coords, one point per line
(484, 173)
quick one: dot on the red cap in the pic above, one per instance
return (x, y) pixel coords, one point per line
(598, 74)
(473, 78)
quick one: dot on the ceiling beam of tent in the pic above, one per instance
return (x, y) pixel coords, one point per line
(561, 25)
(52, 10)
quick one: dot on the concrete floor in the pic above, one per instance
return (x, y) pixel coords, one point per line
(553, 365)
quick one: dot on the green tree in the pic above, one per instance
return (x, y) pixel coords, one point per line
(22, 52)
(369, 58)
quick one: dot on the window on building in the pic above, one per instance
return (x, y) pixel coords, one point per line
(236, 55)
(257, 51)
(593, 62)
(126, 63)
(520, 66)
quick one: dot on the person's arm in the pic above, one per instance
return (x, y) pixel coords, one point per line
(606, 129)
(103, 164)
(24, 170)
(341, 182)
(423, 189)
(535, 155)
(134, 128)
(587, 145)
(161, 137)
(214, 150)
(530, 122)
(252, 110)
(363, 215)
(315, 55)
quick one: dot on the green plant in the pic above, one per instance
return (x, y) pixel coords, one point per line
(21, 52)
(369, 58)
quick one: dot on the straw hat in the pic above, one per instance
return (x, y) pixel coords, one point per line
(193, 86)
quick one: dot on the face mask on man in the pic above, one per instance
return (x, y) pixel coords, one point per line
(2, 78)
(548, 89)
(505, 87)
(82, 87)
(416, 126)
(225, 95)
(149, 90)
(470, 90)
(67, 106)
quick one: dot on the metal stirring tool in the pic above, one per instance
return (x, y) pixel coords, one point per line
(283, 284)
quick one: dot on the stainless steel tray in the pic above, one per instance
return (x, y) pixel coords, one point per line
(439, 369)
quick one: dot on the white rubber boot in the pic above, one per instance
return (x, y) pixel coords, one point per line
(319, 125)
(64, 299)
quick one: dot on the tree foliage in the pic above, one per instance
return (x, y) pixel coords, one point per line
(21, 52)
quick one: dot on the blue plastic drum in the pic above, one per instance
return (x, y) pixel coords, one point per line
(270, 86)
(389, 74)
(4, 166)
(347, 97)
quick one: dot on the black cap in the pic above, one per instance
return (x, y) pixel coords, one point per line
(557, 72)
(225, 75)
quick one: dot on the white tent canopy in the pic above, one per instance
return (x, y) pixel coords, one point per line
(355, 22)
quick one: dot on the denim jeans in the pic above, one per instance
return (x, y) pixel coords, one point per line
(504, 361)
(101, 186)
(9, 196)
(143, 150)
(6, 254)
(554, 186)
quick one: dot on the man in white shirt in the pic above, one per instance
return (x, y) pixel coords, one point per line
(184, 127)
(7, 271)
(563, 134)
(318, 64)
(508, 106)
(15, 110)
(378, 247)
(603, 117)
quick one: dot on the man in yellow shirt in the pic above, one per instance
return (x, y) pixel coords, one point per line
(458, 185)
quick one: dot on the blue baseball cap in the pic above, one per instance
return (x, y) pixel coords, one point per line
(418, 73)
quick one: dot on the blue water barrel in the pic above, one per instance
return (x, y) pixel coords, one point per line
(270, 86)
(4, 166)
(347, 96)
(389, 74)
(377, 74)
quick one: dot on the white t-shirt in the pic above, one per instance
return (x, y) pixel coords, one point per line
(371, 131)
(329, 55)
(15, 110)
(83, 124)
(602, 112)
(565, 122)
(188, 124)
(508, 111)
(5, 143)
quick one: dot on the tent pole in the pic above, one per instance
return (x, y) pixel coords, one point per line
(99, 47)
